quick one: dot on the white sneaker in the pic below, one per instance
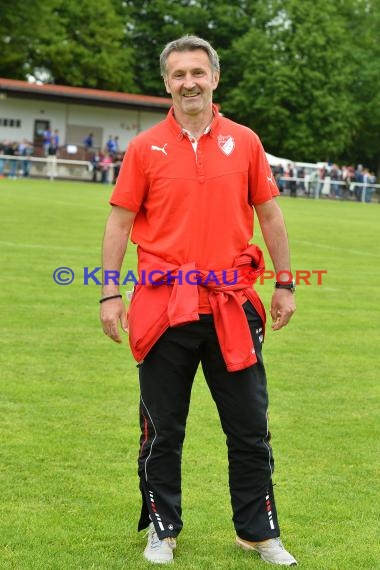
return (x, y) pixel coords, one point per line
(159, 551)
(271, 550)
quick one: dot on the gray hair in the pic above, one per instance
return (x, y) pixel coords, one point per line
(189, 43)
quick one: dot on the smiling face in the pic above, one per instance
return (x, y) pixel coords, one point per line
(190, 80)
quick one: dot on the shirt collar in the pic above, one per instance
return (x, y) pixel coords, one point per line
(179, 131)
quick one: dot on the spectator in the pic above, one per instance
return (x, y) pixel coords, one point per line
(56, 139)
(278, 173)
(118, 159)
(96, 162)
(322, 175)
(348, 175)
(369, 178)
(11, 149)
(105, 167)
(1, 160)
(26, 150)
(358, 178)
(292, 175)
(47, 140)
(301, 179)
(54, 144)
(111, 146)
(89, 142)
(336, 177)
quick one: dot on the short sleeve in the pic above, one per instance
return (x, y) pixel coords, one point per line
(132, 184)
(262, 185)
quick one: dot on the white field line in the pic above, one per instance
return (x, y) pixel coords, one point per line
(336, 248)
(42, 246)
(53, 202)
(79, 250)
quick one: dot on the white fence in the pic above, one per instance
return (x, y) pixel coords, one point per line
(310, 186)
(314, 187)
(48, 167)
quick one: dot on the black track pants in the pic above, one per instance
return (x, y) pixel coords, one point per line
(166, 378)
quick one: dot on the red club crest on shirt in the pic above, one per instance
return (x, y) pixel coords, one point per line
(226, 144)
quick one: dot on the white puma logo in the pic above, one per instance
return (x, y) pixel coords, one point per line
(159, 148)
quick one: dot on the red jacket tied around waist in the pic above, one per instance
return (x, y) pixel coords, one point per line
(167, 299)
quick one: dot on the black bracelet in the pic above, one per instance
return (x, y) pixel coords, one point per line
(118, 296)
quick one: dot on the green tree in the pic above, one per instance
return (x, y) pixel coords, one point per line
(84, 46)
(292, 77)
(20, 24)
(364, 28)
(152, 24)
(69, 42)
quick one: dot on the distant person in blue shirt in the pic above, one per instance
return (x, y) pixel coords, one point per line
(89, 141)
(111, 145)
(46, 140)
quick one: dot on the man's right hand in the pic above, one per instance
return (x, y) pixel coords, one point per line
(112, 312)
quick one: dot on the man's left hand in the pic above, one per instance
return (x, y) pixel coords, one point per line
(282, 308)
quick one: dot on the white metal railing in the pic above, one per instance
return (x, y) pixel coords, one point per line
(325, 187)
(53, 167)
(50, 167)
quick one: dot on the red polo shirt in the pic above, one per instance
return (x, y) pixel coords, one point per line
(194, 206)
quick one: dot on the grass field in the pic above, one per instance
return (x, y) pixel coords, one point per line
(69, 399)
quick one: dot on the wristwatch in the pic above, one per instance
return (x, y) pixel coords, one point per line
(291, 285)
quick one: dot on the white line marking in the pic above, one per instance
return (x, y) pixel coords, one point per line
(336, 248)
(59, 202)
(41, 246)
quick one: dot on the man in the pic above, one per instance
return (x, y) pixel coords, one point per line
(111, 145)
(46, 140)
(54, 144)
(89, 141)
(187, 186)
